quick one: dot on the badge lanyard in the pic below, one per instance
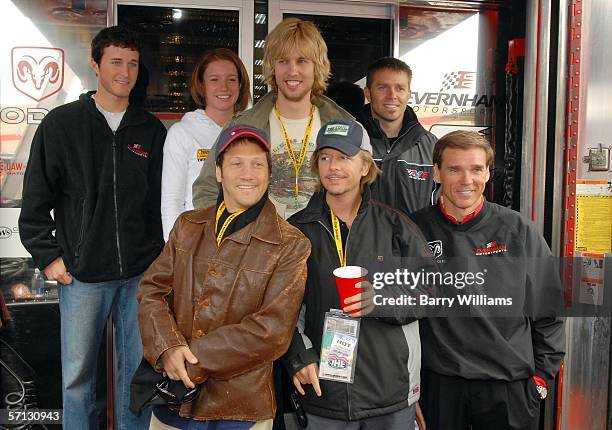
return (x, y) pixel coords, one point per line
(226, 223)
(297, 163)
(338, 234)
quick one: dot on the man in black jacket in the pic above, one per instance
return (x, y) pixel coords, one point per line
(487, 366)
(371, 235)
(96, 163)
(401, 146)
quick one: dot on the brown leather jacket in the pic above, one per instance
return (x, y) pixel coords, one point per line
(235, 306)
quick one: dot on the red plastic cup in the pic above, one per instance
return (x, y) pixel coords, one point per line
(346, 278)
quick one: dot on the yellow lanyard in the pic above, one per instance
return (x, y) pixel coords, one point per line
(297, 163)
(338, 234)
(225, 224)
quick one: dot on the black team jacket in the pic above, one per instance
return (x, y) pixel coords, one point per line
(499, 342)
(381, 239)
(103, 187)
(407, 181)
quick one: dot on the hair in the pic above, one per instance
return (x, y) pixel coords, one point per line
(197, 77)
(219, 160)
(348, 96)
(117, 35)
(461, 139)
(387, 63)
(296, 35)
(368, 179)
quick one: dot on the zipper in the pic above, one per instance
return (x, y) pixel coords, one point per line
(348, 402)
(116, 206)
(348, 393)
(385, 156)
(81, 232)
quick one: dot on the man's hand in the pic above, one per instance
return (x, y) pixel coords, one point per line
(307, 375)
(56, 271)
(420, 418)
(173, 360)
(360, 304)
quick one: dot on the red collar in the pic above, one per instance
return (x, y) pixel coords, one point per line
(466, 219)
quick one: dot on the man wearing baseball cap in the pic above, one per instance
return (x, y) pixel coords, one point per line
(220, 303)
(348, 228)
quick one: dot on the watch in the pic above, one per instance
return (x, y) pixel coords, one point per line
(542, 391)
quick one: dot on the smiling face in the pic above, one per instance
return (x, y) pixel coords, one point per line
(117, 73)
(294, 75)
(244, 175)
(463, 174)
(388, 94)
(340, 174)
(220, 86)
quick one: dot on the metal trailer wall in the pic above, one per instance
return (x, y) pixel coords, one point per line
(566, 43)
(586, 381)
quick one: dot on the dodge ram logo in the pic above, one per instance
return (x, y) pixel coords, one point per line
(37, 72)
(5, 232)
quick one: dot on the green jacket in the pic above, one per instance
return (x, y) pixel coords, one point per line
(205, 188)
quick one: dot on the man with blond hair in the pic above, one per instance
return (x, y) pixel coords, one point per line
(347, 227)
(297, 69)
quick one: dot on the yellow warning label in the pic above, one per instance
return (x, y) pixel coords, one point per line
(202, 154)
(594, 223)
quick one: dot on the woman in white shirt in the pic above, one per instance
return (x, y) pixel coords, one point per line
(220, 87)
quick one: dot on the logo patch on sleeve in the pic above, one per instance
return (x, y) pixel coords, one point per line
(339, 129)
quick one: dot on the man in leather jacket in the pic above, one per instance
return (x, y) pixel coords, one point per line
(220, 303)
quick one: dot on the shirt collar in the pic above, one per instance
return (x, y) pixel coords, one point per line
(467, 217)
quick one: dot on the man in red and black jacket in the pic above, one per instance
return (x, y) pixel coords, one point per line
(487, 366)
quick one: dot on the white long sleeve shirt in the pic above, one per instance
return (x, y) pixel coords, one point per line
(185, 150)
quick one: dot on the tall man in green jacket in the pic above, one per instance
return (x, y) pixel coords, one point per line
(297, 69)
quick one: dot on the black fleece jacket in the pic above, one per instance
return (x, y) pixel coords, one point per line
(518, 264)
(381, 239)
(104, 189)
(407, 181)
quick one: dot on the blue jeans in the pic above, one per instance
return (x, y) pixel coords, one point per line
(84, 309)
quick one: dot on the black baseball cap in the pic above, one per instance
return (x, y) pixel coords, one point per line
(240, 131)
(345, 135)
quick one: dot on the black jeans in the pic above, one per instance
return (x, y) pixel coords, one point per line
(455, 403)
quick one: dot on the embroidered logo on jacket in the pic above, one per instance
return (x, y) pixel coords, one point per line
(417, 175)
(436, 248)
(137, 149)
(491, 248)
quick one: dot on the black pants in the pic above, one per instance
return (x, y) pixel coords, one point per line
(282, 390)
(454, 403)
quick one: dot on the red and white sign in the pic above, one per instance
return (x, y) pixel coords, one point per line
(37, 72)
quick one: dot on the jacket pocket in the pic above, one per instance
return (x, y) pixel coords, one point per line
(249, 294)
